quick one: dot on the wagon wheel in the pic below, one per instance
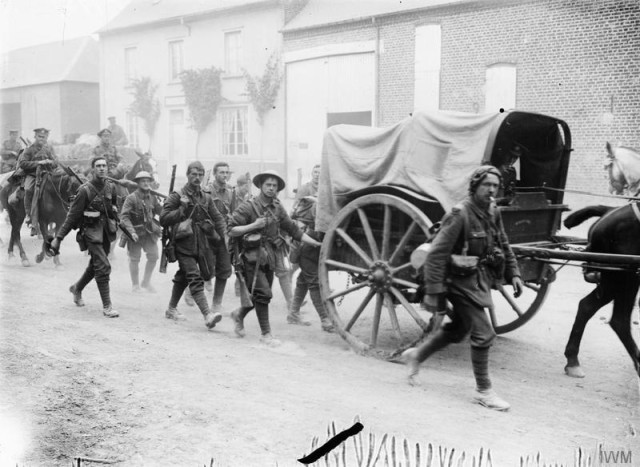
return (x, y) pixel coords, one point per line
(509, 313)
(364, 261)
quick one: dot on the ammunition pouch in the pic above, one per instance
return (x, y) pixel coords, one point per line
(496, 262)
(251, 241)
(463, 265)
(91, 218)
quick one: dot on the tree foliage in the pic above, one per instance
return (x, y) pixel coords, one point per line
(145, 103)
(203, 94)
(263, 90)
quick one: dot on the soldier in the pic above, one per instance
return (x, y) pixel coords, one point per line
(94, 212)
(307, 257)
(38, 155)
(224, 197)
(310, 188)
(10, 150)
(137, 216)
(474, 227)
(118, 136)
(258, 222)
(243, 188)
(109, 151)
(198, 229)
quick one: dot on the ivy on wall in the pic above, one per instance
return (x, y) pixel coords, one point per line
(263, 90)
(145, 104)
(203, 94)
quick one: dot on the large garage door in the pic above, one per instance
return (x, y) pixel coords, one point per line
(320, 93)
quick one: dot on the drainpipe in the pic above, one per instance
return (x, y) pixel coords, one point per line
(376, 74)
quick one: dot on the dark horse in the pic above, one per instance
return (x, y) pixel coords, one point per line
(16, 218)
(56, 188)
(617, 232)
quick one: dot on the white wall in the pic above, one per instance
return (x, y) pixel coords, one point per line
(203, 47)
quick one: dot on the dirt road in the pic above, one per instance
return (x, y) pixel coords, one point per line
(147, 391)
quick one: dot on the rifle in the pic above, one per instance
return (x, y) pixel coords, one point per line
(165, 231)
(129, 184)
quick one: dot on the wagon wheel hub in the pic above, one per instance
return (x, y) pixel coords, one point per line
(380, 276)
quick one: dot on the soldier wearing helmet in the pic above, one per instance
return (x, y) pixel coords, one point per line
(473, 230)
(139, 218)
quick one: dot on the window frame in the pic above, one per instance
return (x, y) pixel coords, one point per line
(130, 64)
(237, 56)
(226, 145)
(174, 77)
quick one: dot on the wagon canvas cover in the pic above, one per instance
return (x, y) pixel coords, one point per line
(430, 153)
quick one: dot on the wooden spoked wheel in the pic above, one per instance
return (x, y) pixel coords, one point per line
(366, 279)
(509, 313)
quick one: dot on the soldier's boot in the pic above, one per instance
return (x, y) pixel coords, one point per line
(285, 285)
(134, 272)
(294, 310)
(262, 310)
(238, 318)
(28, 201)
(414, 356)
(210, 318)
(316, 299)
(484, 395)
(107, 308)
(146, 278)
(218, 293)
(172, 310)
(77, 288)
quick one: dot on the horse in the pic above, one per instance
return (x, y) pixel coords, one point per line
(17, 214)
(56, 190)
(623, 166)
(616, 231)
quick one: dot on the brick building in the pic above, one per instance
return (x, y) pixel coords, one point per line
(576, 60)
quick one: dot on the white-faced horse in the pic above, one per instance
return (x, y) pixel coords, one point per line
(623, 165)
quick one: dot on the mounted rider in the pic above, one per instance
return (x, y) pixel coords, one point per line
(36, 159)
(138, 217)
(109, 151)
(10, 150)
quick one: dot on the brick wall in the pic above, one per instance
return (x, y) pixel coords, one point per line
(578, 60)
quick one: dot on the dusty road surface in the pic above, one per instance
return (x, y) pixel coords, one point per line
(145, 391)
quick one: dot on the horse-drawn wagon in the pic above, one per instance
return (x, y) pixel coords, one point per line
(382, 190)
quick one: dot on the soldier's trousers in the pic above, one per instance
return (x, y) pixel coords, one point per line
(98, 268)
(148, 243)
(29, 189)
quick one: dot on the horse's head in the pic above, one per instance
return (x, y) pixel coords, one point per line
(617, 181)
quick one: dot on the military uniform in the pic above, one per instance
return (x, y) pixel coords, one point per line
(93, 211)
(114, 159)
(195, 252)
(137, 216)
(118, 136)
(29, 162)
(10, 151)
(307, 257)
(259, 263)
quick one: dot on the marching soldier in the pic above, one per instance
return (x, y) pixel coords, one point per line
(307, 257)
(38, 155)
(308, 189)
(198, 229)
(137, 216)
(109, 151)
(262, 217)
(10, 150)
(94, 212)
(224, 197)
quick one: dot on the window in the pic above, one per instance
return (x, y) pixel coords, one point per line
(500, 87)
(132, 130)
(234, 132)
(233, 52)
(427, 67)
(175, 60)
(130, 64)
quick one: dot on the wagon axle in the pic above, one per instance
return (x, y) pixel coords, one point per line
(380, 276)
